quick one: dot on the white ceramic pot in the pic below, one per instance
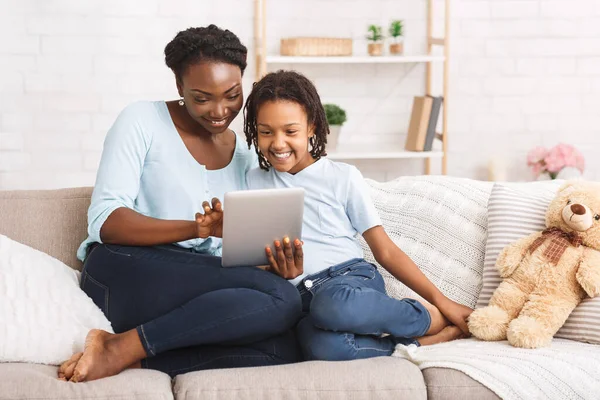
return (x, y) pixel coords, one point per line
(334, 134)
(544, 176)
(569, 173)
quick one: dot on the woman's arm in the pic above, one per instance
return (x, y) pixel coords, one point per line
(111, 216)
(127, 227)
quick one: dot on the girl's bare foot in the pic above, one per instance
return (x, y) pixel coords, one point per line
(107, 354)
(438, 321)
(447, 334)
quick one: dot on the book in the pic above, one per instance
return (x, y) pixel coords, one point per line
(419, 120)
(433, 120)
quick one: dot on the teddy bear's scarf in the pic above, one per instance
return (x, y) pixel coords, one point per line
(560, 241)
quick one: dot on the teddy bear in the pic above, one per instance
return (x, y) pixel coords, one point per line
(546, 274)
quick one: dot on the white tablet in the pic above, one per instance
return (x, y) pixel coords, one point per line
(254, 219)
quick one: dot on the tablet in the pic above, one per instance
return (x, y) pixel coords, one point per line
(254, 219)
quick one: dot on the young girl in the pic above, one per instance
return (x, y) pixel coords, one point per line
(344, 297)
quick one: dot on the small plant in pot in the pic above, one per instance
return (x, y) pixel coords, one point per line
(396, 32)
(375, 37)
(336, 117)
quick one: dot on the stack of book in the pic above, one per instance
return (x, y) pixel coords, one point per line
(423, 123)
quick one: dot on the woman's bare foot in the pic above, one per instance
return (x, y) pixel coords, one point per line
(447, 334)
(106, 354)
(65, 371)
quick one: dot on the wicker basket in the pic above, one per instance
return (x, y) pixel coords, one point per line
(315, 46)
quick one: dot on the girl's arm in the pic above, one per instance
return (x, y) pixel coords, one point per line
(397, 263)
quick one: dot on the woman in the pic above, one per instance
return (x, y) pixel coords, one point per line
(172, 306)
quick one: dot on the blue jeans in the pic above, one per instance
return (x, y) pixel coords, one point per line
(349, 310)
(189, 312)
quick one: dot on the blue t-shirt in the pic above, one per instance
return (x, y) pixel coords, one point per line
(145, 166)
(337, 207)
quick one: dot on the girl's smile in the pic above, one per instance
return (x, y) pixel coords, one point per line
(283, 135)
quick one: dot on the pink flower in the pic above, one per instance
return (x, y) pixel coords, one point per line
(537, 169)
(563, 155)
(579, 162)
(554, 160)
(536, 156)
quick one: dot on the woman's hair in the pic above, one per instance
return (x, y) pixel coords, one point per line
(287, 86)
(210, 43)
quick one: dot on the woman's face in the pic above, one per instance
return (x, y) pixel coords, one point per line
(212, 92)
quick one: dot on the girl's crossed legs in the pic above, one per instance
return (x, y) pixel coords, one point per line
(349, 311)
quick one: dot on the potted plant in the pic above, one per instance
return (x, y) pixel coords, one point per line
(375, 37)
(397, 47)
(336, 117)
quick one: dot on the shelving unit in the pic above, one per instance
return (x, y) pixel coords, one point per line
(356, 153)
(385, 152)
(352, 59)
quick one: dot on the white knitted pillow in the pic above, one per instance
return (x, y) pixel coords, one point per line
(44, 315)
(441, 224)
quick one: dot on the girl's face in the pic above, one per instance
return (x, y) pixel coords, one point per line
(212, 93)
(283, 135)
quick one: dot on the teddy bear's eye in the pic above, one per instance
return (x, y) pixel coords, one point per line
(597, 217)
(568, 201)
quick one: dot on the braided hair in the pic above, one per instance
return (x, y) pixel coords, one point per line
(289, 86)
(209, 43)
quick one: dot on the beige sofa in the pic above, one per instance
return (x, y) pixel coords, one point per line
(55, 222)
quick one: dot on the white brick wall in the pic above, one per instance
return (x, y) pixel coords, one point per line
(523, 72)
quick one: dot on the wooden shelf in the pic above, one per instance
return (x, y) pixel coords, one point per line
(353, 59)
(386, 151)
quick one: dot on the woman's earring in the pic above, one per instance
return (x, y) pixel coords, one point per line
(181, 102)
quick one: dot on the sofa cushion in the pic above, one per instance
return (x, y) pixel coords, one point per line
(33, 381)
(441, 224)
(52, 221)
(380, 378)
(450, 384)
(516, 211)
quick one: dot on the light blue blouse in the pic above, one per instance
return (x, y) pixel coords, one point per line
(145, 166)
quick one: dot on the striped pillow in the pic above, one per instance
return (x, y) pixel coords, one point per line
(515, 211)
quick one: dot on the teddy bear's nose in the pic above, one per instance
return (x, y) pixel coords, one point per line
(578, 209)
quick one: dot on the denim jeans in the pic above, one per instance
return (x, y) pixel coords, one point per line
(348, 311)
(189, 312)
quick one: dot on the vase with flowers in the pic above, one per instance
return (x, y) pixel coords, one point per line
(562, 161)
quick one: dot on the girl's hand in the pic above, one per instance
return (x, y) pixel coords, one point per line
(286, 262)
(211, 222)
(456, 313)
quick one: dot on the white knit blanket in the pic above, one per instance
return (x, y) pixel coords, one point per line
(565, 370)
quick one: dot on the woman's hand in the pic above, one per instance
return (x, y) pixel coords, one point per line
(211, 222)
(286, 262)
(456, 313)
